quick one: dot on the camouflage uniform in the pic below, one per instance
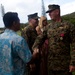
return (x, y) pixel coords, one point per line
(60, 37)
(30, 35)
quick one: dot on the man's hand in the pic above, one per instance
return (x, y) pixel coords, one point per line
(72, 68)
(32, 67)
(36, 53)
(36, 50)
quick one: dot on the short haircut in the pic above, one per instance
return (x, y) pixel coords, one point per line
(9, 18)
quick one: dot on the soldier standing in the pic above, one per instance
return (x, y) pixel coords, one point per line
(60, 34)
(30, 34)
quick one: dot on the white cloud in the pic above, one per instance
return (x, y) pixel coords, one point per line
(68, 8)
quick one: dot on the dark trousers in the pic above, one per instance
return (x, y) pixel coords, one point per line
(59, 73)
(35, 71)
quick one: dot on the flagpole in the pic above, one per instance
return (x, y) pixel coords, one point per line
(2, 10)
(43, 9)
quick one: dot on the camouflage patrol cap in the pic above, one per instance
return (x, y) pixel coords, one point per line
(52, 7)
(33, 16)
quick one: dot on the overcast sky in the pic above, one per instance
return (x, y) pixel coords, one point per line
(26, 7)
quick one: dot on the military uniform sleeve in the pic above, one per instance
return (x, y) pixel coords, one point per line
(72, 35)
(40, 40)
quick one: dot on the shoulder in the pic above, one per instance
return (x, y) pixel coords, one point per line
(68, 24)
(17, 38)
(27, 28)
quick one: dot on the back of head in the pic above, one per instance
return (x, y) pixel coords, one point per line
(9, 18)
(42, 18)
(38, 30)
